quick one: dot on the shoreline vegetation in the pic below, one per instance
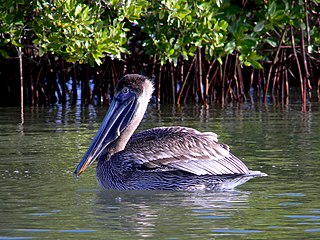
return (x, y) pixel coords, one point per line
(196, 51)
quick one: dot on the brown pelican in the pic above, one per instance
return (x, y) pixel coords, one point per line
(167, 158)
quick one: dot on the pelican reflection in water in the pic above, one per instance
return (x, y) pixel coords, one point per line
(166, 158)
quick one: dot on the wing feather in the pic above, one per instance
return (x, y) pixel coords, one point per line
(183, 149)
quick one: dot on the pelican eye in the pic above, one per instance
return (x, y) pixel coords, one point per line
(125, 90)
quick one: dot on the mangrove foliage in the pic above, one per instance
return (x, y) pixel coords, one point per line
(196, 51)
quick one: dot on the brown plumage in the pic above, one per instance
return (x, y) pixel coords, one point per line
(175, 158)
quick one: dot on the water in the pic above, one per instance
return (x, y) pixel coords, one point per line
(39, 198)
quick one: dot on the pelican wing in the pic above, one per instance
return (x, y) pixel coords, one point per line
(184, 149)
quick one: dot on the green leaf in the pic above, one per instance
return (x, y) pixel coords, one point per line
(229, 47)
(50, 16)
(251, 60)
(98, 61)
(259, 26)
(183, 13)
(192, 49)
(161, 14)
(41, 52)
(219, 60)
(272, 9)
(15, 43)
(271, 42)
(72, 59)
(255, 56)
(256, 64)
(4, 53)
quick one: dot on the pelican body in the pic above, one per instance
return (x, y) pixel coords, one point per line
(163, 158)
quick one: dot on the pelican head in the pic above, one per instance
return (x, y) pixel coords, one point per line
(126, 111)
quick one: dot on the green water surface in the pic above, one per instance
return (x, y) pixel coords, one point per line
(40, 199)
